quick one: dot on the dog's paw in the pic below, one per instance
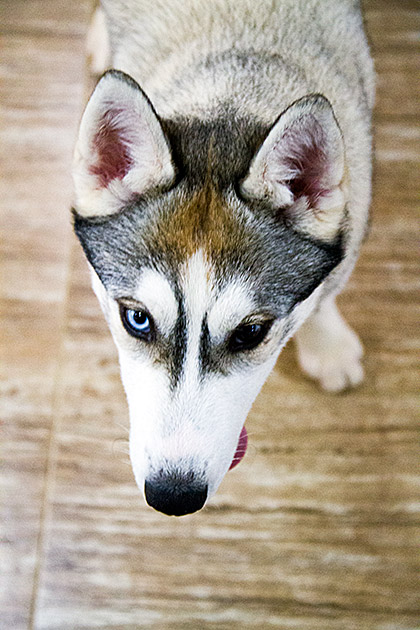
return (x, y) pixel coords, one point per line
(330, 354)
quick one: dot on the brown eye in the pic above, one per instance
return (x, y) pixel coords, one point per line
(248, 336)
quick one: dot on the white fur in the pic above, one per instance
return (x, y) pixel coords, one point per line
(155, 293)
(177, 431)
(177, 428)
(198, 293)
(232, 306)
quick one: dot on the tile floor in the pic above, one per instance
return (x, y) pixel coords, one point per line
(317, 529)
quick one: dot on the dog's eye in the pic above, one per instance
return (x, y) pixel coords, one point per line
(137, 323)
(248, 336)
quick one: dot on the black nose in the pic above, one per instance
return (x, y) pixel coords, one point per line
(175, 494)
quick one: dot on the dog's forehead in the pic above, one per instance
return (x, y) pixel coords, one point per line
(202, 220)
(239, 244)
(222, 306)
(175, 247)
(197, 293)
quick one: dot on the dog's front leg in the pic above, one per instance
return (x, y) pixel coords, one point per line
(328, 350)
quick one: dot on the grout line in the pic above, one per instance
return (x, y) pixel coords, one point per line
(56, 400)
(52, 448)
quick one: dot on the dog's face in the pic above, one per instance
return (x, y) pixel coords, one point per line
(208, 242)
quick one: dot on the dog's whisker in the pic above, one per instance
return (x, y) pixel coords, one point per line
(122, 426)
(120, 445)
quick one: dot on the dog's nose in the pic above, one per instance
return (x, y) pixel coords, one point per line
(175, 494)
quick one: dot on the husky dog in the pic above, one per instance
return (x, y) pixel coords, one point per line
(222, 184)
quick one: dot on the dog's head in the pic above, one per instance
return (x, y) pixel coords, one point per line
(209, 241)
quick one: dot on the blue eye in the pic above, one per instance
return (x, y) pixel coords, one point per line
(137, 323)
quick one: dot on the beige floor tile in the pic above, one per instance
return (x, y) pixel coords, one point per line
(317, 529)
(41, 102)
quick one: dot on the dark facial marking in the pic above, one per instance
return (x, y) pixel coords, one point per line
(218, 151)
(177, 347)
(205, 348)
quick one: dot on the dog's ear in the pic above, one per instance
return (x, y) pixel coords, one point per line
(299, 169)
(121, 151)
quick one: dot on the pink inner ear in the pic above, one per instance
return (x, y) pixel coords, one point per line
(306, 156)
(111, 147)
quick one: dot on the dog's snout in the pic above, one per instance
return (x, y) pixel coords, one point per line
(175, 494)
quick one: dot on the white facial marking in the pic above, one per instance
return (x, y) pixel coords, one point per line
(194, 428)
(229, 310)
(156, 294)
(197, 287)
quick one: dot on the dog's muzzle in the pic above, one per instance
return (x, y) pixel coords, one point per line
(176, 493)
